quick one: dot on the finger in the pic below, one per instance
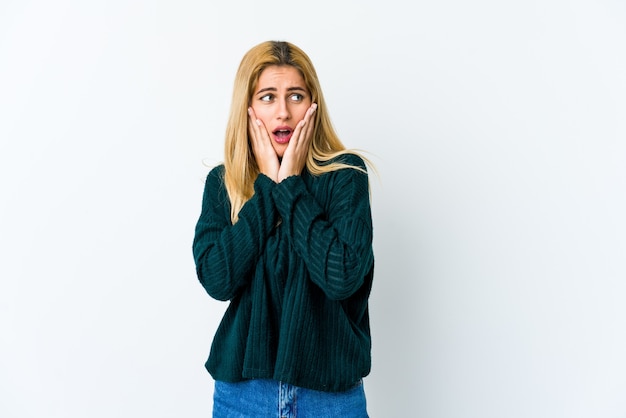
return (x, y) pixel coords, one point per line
(306, 131)
(254, 123)
(260, 137)
(305, 124)
(252, 130)
(309, 117)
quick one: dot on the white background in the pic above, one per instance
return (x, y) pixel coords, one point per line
(498, 129)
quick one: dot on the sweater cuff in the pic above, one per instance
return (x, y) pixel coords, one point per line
(260, 209)
(292, 200)
(263, 184)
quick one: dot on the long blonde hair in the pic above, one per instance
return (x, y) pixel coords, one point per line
(241, 169)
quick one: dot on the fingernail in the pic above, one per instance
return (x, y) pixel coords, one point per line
(249, 110)
(258, 122)
(314, 106)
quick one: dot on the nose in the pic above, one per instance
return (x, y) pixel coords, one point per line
(283, 110)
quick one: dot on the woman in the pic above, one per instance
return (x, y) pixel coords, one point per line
(285, 234)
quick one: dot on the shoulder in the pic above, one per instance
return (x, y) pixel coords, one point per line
(355, 159)
(215, 175)
(216, 172)
(214, 181)
(350, 158)
(348, 169)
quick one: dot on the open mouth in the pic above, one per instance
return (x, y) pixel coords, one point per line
(282, 135)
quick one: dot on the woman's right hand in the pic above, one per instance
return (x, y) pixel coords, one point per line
(266, 157)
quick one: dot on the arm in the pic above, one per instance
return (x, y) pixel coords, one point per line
(226, 254)
(336, 243)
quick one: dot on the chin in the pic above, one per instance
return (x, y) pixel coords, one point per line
(280, 150)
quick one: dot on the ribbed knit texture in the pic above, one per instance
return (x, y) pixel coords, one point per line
(297, 268)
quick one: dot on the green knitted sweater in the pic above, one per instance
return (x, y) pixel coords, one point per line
(297, 268)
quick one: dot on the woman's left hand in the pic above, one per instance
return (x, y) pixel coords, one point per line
(296, 153)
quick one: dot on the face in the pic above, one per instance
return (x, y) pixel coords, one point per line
(280, 101)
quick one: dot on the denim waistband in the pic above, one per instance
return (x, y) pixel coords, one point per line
(272, 398)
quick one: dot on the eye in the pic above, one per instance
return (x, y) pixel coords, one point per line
(296, 97)
(266, 98)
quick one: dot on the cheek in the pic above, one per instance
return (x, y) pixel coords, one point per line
(261, 113)
(300, 113)
(302, 109)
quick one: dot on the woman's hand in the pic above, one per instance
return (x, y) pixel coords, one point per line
(295, 155)
(266, 157)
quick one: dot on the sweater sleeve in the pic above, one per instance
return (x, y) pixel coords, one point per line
(226, 254)
(334, 238)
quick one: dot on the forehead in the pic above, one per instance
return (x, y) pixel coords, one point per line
(280, 76)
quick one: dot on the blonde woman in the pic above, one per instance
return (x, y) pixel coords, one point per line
(285, 235)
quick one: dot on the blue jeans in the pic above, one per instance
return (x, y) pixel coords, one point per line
(261, 398)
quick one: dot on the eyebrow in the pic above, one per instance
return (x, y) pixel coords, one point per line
(275, 89)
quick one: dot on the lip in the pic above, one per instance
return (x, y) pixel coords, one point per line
(284, 137)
